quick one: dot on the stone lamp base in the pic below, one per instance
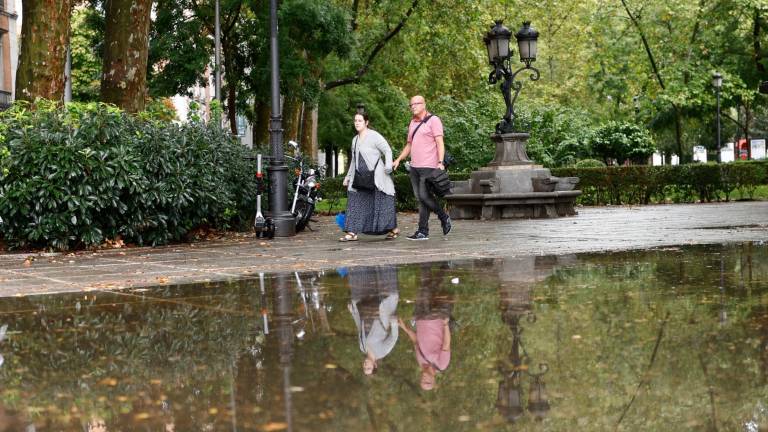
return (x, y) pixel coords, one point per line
(512, 186)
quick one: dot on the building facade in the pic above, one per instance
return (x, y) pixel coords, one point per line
(9, 52)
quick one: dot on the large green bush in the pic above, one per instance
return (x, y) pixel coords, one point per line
(83, 173)
(622, 141)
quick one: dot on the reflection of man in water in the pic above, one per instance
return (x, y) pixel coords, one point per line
(374, 293)
(432, 336)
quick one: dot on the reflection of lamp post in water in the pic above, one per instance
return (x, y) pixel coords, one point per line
(284, 330)
(515, 305)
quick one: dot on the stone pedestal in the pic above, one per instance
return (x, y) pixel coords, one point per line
(512, 186)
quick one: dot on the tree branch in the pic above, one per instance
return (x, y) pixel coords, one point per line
(645, 45)
(375, 51)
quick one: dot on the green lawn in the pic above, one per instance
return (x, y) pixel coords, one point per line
(761, 193)
(331, 206)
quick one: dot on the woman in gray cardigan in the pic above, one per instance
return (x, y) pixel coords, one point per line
(370, 211)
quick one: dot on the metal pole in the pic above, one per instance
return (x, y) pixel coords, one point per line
(285, 223)
(68, 75)
(217, 55)
(718, 125)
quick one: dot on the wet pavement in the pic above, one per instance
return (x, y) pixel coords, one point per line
(673, 338)
(594, 229)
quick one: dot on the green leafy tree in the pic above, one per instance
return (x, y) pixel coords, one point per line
(620, 142)
(86, 42)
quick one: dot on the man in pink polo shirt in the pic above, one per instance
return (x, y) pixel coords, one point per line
(427, 149)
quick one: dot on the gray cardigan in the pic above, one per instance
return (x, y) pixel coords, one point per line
(371, 148)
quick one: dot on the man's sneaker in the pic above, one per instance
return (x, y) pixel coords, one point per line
(418, 235)
(446, 224)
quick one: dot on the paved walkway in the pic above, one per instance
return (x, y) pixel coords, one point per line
(594, 229)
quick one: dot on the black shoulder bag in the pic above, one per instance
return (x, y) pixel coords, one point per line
(363, 180)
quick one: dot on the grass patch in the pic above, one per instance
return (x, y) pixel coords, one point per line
(760, 193)
(331, 206)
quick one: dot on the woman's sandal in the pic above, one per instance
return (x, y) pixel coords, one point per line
(392, 235)
(348, 238)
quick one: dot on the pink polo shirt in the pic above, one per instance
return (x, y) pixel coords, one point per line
(429, 337)
(423, 144)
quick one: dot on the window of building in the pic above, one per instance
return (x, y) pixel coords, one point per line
(241, 125)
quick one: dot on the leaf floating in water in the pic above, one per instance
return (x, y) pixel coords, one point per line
(576, 337)
(109, 382)
(464, 418)
(274, 426)
(297, 389)
(141, 416)
(330, 366)
(455, 281)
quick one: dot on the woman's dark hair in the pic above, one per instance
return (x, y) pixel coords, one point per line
(363, 114)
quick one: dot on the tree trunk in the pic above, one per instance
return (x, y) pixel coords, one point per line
(261, 115)
(126, 47)
(679, 137)
(226, 48)
(309, 133)
(44, 36)
(291, 110)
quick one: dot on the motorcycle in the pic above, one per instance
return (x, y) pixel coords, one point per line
(307, 190)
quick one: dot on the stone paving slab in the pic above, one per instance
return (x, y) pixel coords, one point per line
(244, 256)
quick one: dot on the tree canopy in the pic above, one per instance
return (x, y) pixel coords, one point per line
(648, 63)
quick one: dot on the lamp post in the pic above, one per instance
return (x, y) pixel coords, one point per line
(285, 224)
(217, 48)
(499, 56)
(717, 82)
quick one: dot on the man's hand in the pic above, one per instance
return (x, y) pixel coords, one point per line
(395, 164)
(441, 167)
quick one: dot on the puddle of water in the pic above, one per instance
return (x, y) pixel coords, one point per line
(672, 339)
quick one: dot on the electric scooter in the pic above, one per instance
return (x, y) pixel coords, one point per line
(264, 227)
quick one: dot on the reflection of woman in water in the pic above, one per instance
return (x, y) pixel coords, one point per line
(432, 336)
(374, 307)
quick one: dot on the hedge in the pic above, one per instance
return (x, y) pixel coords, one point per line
(78, 175)
(642, 184)
(636, 184)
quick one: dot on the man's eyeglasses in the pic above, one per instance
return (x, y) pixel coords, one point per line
(415, 103)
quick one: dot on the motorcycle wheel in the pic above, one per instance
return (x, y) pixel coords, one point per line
(304, 211)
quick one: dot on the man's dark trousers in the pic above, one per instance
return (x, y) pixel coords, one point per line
(427, 202)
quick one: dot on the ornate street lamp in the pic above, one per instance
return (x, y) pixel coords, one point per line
(285, 223)
(717, 82)
(499, 56)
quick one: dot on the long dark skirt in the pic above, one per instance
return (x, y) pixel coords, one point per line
(370, 212)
